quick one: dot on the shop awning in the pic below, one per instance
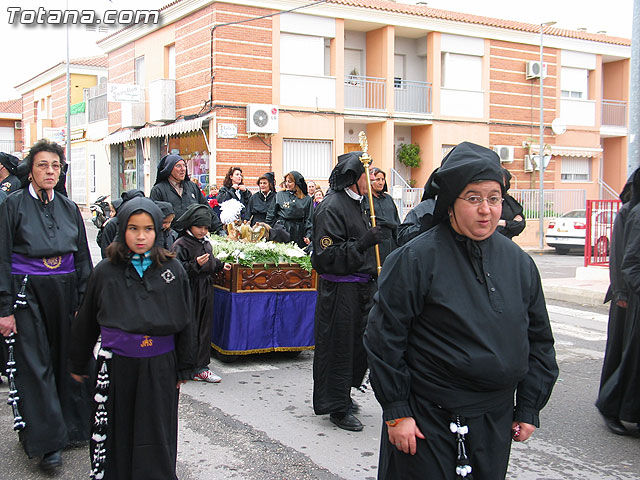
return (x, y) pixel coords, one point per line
(563, 151)
(176, 128)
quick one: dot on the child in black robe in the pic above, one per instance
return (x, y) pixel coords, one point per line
(168, 234)
(194, 252)
(138, 300)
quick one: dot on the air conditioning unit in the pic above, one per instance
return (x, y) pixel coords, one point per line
(535, 68)
(162, 100)
(505, 152)
(18, 125)
(531, 162)
(262, 118)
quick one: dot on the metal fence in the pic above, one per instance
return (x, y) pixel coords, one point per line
(412, 96)
(556, 202)
(614, 113)
(366, 93)
(9, 146)
(600, 217)
(97, 103)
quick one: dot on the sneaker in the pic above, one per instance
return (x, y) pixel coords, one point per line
(207, 376)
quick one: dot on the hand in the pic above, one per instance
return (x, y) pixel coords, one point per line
(521, 431)
(202, 259)
(622, 303)
(8, 325)
(403, 435)
(369, 239)
(518, 218)
(242, 187)
(180, 382)
(306, 240)
(227, 266)
(79, 378)
(502, 223)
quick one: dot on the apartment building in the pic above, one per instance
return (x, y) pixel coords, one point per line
(43, 113)
(254, 84)
(11, 126)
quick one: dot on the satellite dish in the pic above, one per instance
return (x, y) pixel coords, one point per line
(558, 126)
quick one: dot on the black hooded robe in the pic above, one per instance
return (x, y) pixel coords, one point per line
(10, 184)
(258, 207)
(388, 219)
(225, 194)
(142, 403)
(293, 214)
(55, 408)
(511, 208)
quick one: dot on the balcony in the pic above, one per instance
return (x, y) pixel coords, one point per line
(364, 93)
(614, 113)
(578, 112)
(97, 103)
(9, 146)
(412, 96)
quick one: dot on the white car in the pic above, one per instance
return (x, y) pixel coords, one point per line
(569, 231)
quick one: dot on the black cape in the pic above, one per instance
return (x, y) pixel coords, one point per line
(417, 221)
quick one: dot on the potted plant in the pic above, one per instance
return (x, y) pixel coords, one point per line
(409, 155)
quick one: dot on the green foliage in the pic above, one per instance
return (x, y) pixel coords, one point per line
(248, 254)
(409, 155)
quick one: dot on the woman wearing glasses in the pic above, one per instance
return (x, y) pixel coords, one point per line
(458, 330)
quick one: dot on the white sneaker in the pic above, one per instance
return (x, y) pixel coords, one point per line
(207, 376)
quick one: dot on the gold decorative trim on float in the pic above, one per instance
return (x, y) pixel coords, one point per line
(52, 263)
(266, 278)
(260, 350)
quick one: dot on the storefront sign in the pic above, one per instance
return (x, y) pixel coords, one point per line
(54, 134)
(227, 130)
(120, 92)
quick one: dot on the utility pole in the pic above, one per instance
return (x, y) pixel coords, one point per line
(633, 159)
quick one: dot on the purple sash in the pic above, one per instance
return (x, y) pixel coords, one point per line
(354, 278)
(22, 265)
(136, 345)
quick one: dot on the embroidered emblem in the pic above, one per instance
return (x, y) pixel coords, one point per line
(285, 205)
(193, 196)
(326, 242)
(5, 186)
(168, 276)
(52, 263)
(147, 342)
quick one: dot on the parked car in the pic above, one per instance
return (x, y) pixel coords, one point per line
(569, 231)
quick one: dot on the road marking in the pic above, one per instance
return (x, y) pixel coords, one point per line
(577, 332)
(570, 312)
(579, 353)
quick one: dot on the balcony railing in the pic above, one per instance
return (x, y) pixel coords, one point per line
(614, 113)
(97, 103)
(8, 146)
(78, 119)
(365, 93)
(412, 96)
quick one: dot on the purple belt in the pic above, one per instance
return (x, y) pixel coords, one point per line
(22, 265)
(136, 345)
(354, 278)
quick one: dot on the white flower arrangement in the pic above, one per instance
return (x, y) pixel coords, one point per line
(248, 254)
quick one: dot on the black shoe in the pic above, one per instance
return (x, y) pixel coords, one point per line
(614, 426)
(51, 460)
(347, 421)
(355, 408)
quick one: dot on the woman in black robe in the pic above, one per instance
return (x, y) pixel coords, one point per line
(293, 209)
(261, 201)
(233, 187)
(138, 300)
(458, 330)
(386, 213)
(195, 254)
(43, 238)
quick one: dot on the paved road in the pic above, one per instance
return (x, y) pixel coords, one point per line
(258, 424)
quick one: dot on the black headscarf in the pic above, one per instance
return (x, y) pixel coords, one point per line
(166, 208)
(126, 196)
(166, 166)
(466, 163)
(271, 178)
(507, 179)
(634, 186)
(135, 205)
(10, 162)
(197, 214)
(300, 181)
(374, 172)
(347, 171)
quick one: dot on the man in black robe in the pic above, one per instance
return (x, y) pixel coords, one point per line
(344, 257)
(458, 329)
(9, 181)
(43, 238)
(173, 186)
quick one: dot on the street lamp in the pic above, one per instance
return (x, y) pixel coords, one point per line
(541, 152)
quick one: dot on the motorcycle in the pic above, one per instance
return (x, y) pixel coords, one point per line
(100, 211)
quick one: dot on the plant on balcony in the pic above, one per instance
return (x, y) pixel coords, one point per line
(409, 155)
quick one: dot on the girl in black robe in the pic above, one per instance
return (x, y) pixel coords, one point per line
(194, 252)
(293, 209)
(138, 300)
(261, 201)
(43, 237)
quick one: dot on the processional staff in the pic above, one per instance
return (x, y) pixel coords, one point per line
(366, 160)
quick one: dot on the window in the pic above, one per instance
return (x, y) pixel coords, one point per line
(575, 169)
(446, 149)
(312, 158)
(574, 83)
(461, 72)
(139, 70)
(302, 54)
(399, 69)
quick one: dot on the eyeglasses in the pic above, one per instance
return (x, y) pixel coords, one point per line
(476, 200)
(45, 166)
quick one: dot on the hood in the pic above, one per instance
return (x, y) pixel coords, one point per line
(507, 179)
(146, 205)
(271, 178)
(166, 165)
(128, 195)
(10, 162)
(166, 208)
(347, 171)
(634, 185)
(300, 181)
(197, 214)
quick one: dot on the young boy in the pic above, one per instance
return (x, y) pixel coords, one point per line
(168, 234)
(194, 252)
(138, 299)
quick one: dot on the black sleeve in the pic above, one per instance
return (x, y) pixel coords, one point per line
(417, 221)
(308, 220)
(224, 194)
(186, 339)
(156, 194)
(535, 388)
(190, 265)
(272, 214)
(85, 329)
(216, 225)
(248, 211)
(631, 260)
(246, 196)
(82, 258)
(6, 240)
(619, 289)
(108, 235)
